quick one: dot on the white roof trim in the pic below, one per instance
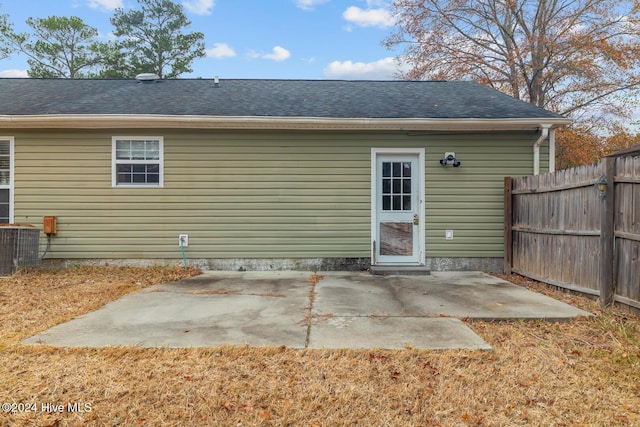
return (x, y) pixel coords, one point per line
(112, 121)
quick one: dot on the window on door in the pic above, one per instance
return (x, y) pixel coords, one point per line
(396, 186)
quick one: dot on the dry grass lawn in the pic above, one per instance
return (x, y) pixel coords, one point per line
(585, 372)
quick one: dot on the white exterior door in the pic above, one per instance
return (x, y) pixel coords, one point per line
(397, 207)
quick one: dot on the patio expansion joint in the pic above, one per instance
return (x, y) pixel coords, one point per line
(383, 316)
(309, 313)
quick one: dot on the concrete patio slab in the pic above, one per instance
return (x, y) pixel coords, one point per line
(207, 310)
(394, 333)
(343, 310)
(474, 295)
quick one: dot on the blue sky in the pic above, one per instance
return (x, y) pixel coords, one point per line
(306, 39)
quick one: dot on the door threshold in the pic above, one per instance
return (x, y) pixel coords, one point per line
(399, 270)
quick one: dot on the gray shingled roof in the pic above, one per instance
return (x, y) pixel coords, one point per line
(271, 98)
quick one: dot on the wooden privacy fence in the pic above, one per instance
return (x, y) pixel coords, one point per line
(562, 229)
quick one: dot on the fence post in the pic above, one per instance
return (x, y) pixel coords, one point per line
(508, 222)
(607, 236)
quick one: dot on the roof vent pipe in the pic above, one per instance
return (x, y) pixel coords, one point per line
(544, 134)
(147, 77)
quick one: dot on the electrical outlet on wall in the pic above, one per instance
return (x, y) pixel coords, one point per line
(183, 240)
(448, 234)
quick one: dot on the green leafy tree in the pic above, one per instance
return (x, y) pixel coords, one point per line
(60, 47)
(153, 38)
(113, 62)
(5, 28)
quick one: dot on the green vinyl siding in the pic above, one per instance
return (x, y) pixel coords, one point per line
(258, 194)
(469, 199)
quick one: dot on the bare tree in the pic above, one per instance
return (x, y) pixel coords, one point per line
(571, 56)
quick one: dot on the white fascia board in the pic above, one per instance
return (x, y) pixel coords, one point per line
(112, 121)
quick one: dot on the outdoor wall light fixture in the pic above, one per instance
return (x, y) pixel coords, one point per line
(601, 186)
(450, 158)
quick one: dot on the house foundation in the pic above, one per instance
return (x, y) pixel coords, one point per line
(491, 265)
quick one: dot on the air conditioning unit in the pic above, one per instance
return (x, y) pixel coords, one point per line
(19, 247)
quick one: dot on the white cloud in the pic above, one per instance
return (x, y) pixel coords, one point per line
(277, 54)
(309, 4)
(105, 4)
(221, 50)
(199, 7)
(384, 69)
(14, 73)
(369, 17)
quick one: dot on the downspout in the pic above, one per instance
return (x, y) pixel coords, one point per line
(544, 134)
(552, 150)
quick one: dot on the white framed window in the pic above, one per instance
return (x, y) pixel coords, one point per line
(7, 161)
(137, 161)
